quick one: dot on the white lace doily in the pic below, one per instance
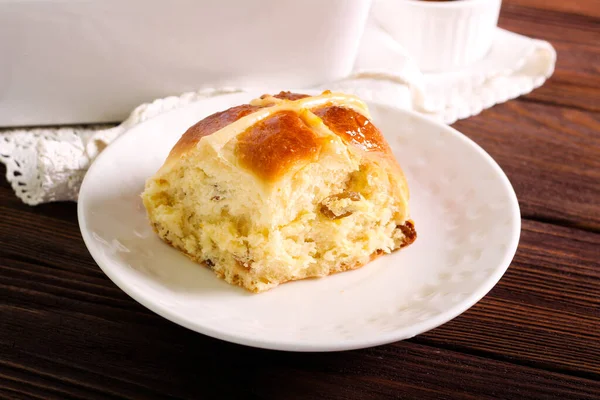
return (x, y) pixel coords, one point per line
(48, 164)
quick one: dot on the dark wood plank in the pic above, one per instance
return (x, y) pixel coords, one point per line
(9, 393)
(585, 8)
(572, 23)
(170, 361)
(551, 156)
(573, 28)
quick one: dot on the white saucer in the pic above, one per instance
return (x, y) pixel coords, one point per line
(465, 211)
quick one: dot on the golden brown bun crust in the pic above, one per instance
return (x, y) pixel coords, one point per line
(210, 125)
(221, 119)
(272, 145)
(353, 127)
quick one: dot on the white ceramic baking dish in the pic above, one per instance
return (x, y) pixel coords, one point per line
(83, 61)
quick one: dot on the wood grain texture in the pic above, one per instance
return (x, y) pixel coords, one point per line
(573, 28)
(67, 332)
(584, 8)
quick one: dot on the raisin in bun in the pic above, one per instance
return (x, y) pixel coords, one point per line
(284, 188)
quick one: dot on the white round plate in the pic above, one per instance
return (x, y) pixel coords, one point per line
(465, 212)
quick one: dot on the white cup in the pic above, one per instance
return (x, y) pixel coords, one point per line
(440, 35)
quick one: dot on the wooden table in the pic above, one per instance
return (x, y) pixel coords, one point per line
(66, 331)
